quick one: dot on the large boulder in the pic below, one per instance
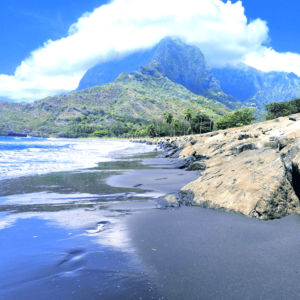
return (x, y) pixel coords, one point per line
(254, 183)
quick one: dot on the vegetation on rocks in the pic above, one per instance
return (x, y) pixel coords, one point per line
(282, 109)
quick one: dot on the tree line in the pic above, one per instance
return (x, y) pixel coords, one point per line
(168, 125)
(282, 109)
(202, 123)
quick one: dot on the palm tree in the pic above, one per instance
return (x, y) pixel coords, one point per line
(176, 125)
(188, 115)
(151, 130)
(169, 118)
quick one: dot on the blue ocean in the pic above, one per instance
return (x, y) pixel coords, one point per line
(30, 156)
(62, 233)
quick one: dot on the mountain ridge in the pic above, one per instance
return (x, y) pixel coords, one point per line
(252, 86)
(186, 65)
(181, 63)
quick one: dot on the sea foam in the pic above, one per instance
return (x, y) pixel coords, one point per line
(30, 156)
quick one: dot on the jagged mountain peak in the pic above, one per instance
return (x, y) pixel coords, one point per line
(183, 64)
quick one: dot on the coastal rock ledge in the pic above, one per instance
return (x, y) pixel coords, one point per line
(253, 170)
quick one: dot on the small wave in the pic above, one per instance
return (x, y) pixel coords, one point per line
(40, 156)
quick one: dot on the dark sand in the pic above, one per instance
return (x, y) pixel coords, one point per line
(207, 254)
(67, 240)
(161, 178)
(187, 253)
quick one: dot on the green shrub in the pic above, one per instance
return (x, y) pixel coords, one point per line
(151, 130)
(100, 133)
(238, 118)
(202, 123)
(282, 109)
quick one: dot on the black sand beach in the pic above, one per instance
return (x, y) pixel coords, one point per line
(207, 254)
(105, 238)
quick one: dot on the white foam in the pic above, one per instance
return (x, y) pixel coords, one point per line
(53, 155)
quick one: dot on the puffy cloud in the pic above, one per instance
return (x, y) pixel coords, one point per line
(267, 59)
(121, 27)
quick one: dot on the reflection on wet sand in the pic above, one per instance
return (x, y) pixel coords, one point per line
(64, 236)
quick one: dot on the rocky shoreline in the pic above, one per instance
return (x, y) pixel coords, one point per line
(253, 170)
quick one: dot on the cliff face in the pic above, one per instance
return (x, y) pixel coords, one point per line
(186, 65)
(257, 88)
(253, 170)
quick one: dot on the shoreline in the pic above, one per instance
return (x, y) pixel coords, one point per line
(142, 251)
(253, 170)
(77, 222)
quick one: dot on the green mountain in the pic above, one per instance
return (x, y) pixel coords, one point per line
(181, 63)
(256, 88)
(131, 100)
(171, 77)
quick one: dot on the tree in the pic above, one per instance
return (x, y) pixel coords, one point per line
(238, 118)
(151, 130)
(169, 118)
(176, 125)
(188, 115)
(100, 133)
(282, 109)
(201, 123)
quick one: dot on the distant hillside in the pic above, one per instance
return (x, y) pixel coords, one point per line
(133, 98)
(257, 88)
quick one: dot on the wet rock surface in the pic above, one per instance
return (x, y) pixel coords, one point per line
(196, 166)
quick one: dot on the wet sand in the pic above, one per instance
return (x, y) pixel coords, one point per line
(98, 234)
(160, 179)
(64, 235)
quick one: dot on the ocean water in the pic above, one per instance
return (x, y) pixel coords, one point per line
(30, 156)
(62, 228)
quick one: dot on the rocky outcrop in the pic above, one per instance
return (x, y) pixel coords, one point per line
(255, 183)
(253, 170)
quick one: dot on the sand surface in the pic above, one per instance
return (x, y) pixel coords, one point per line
(92, 248)
(199, 253)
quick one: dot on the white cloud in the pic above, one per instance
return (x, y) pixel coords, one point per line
(124, 26)
(267, 59)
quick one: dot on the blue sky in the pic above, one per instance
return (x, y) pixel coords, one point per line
(32, 68)
(282, 18)
(26, 25)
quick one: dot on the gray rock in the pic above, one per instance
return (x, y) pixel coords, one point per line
(244, 147)
(168, 202)
(200, 156)
(244, 137)
(293, 119)
(183, 163)
(170, 153)
(196, 166)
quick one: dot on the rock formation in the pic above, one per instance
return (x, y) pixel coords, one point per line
(253, 170)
